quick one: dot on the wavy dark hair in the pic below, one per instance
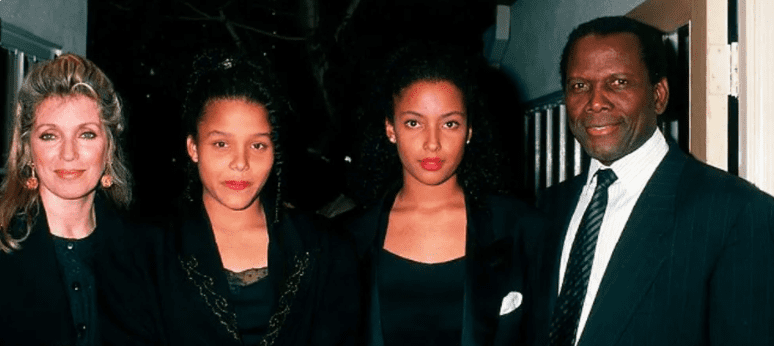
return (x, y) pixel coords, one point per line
(652, 48)
(377, 166)
(219, 75)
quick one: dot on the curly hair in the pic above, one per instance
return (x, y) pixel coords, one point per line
(652, 48)
(377, 165)
(65, 76)
(219, 75)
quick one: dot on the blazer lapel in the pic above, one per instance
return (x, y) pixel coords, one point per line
(290, 269)
(488, 265)
(202, 266)
(638, 256)
(39, 277)
(368, 229)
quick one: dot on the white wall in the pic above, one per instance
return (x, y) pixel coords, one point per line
(63, 22)
(539, 30)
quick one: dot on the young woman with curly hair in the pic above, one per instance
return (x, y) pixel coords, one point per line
(446, 253)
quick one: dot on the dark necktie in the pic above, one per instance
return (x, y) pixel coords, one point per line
(564, 324)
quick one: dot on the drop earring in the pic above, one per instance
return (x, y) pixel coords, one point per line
(32, 181)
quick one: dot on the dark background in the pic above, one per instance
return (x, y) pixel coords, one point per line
(323, 50)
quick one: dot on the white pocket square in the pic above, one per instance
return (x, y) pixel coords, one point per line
(511, 302)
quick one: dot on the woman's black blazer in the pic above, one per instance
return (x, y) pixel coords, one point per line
(498, 257)
(172, 288)
(34, 306)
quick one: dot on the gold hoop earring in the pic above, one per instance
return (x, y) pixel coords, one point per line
(32, 181)
(106, 181)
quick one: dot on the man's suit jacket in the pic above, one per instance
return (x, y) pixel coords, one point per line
(496, 256)
(694, 264)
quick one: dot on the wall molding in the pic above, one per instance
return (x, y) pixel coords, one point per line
(15, 38)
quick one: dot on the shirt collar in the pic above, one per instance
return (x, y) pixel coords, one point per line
(630, 167)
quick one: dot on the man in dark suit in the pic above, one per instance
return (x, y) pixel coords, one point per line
(650, 247)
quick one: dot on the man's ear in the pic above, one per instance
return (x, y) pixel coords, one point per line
(389, 129)
(193, 151)
(661, 95)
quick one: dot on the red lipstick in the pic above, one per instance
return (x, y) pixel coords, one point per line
(69, 174)
(432, 163)
(237, 185)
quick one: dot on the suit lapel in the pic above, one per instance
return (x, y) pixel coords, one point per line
(638, 256)
(488, 264)
(566, 201)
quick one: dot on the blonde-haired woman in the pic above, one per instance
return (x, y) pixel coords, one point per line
(53, 222)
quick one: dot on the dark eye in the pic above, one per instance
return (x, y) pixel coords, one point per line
(451, 124)
(89, 135)
(620, 82)
(578, 86)
(412, 123)
(260, 146)
(219, 144)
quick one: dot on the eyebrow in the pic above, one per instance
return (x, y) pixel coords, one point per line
(627, 74)
(226, 134)
(446, 115)
(54, 125)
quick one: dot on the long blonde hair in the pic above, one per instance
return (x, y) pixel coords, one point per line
(64, 76)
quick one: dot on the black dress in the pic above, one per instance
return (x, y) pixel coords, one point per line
(49, 287)
(421, 303)
(174, 290)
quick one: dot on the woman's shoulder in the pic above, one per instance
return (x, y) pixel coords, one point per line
(312, 228)
(315, 232)
(365, 216)
(513, 211)
(362, 224)
(36, 246)
(509, 204)
(505, 200)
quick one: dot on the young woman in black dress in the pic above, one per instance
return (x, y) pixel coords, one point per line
(239, 267)
(447, 257)
(64, 182)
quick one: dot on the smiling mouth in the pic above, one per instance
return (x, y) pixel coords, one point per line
(432, 163)
(237, 185)
(601, 130)
(69, 174)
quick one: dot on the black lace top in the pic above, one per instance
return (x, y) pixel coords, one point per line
(252, 298)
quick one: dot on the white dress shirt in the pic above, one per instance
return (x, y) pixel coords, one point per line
(633, 172)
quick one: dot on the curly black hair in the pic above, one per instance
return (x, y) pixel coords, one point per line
(220, 74)
(377, 166)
